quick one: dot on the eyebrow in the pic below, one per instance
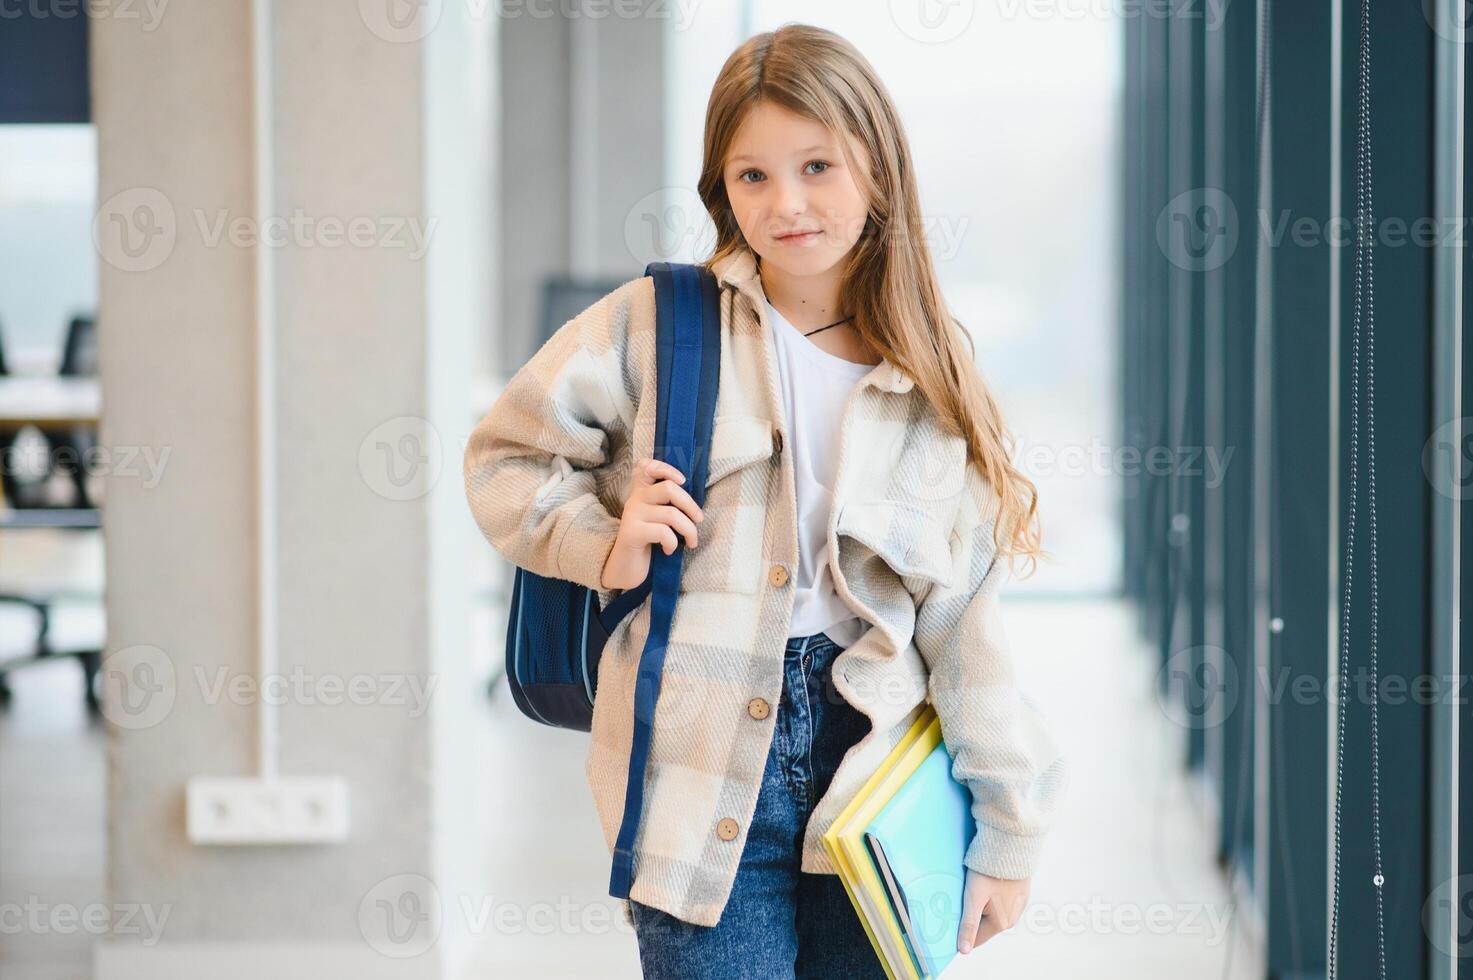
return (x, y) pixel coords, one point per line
(806, 149)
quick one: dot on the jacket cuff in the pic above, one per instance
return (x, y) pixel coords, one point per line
(999, 854)
(584, 547)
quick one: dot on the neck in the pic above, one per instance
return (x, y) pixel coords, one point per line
(805, 301)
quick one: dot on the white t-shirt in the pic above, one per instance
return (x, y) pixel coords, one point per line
(815, 385)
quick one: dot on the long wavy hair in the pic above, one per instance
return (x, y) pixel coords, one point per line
(889, 280)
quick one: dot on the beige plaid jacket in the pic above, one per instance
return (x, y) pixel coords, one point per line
(546, 474)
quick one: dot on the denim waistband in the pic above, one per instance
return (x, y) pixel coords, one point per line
(813, 643)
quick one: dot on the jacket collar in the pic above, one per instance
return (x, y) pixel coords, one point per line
(739, 269)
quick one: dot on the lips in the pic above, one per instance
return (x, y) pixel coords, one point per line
(797, 236)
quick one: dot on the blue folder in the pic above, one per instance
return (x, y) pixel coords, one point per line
(918, 843)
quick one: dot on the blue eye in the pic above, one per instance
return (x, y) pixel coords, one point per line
(824, 164)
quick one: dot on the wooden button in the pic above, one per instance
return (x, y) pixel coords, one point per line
(726, 829)
(777, 440)
(758, 708)
(778, 576)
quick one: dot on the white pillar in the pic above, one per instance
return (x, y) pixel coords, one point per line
(381, 173)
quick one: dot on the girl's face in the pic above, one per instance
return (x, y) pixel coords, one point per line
(795, 199)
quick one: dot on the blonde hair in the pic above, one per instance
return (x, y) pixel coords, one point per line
(889, 281)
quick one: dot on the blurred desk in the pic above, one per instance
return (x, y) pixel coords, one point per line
(49, 402)
(58, 563)
(52, 404)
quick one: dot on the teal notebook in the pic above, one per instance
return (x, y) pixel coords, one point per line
(918, 843)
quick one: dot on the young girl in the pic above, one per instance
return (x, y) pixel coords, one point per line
(844, 568)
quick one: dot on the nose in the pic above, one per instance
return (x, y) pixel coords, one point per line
(790, 198)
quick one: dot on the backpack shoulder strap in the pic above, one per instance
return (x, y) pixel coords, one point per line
(688, 363)
(688, 345)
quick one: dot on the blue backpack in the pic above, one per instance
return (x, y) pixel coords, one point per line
(556, 631)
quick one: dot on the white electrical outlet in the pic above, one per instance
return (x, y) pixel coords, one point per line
(289, 810)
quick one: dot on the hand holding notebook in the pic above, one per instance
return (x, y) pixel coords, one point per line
(991, 906)
(900, 847)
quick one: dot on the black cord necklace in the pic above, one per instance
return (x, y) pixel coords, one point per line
(834, 324)
(811, 332)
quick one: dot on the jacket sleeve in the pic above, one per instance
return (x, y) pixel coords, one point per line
(1001, 746)
(537, 466)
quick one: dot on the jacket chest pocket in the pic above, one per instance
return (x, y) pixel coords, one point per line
(903, 490)
(906, 536)
(738, 482)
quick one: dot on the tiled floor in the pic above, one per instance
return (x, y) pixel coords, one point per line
(52, 785)
(1127, 888)
(52, 763)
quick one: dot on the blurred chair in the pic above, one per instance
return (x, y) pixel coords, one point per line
(79, 357)
(78, 360)
(7, 440)
(39, 627)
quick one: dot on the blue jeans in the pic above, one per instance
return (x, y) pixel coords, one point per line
(779, 921)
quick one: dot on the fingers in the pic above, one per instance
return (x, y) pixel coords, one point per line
(650, 470)
(671, 517)
(660, 509)
(666, 495)
(666, 492)
(992, 924)
(978, 926)
(989, 907)
(665, 538)
(973, 901)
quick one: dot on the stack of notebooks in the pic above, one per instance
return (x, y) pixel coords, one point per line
(899, 847)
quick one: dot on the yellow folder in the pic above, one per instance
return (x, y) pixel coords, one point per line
(844, 841)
